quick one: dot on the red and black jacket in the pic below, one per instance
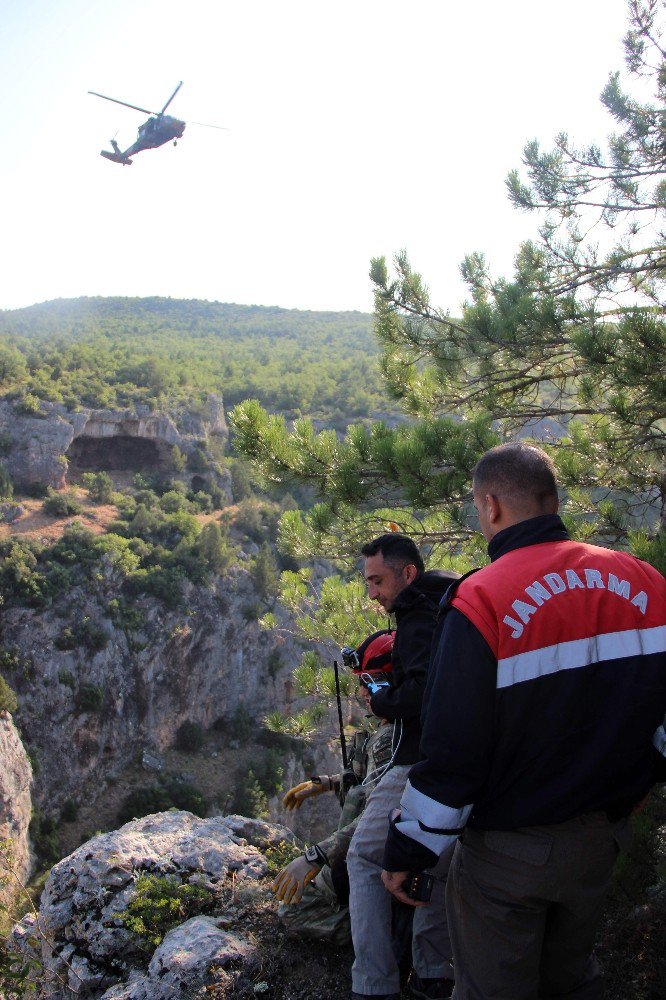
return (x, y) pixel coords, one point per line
(546, 695)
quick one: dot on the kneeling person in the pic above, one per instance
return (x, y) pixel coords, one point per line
(317, 880)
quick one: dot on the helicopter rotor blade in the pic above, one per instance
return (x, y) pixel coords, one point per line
(144, 111)
(206, 125)
(171, 98)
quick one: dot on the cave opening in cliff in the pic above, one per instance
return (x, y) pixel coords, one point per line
(117, 453)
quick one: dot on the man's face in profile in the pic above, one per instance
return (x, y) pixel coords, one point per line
(385, 582)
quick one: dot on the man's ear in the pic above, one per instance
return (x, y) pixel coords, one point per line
(409, 573)
(493, 508)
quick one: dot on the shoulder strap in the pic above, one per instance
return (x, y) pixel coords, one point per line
(450, 593)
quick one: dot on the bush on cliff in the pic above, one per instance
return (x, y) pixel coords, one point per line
(8, 701)
(190, 737)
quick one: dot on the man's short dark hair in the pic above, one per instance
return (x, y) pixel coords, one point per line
(397, 551)
(521, 474)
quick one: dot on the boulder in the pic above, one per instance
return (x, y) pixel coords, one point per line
(87, 951)
(198, 953)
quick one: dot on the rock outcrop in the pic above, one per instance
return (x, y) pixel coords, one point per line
(39, 449)
(15, 807)
(86, 949)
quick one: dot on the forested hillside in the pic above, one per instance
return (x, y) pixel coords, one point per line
(105, 352)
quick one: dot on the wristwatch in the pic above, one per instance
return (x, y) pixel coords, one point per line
(315, 856)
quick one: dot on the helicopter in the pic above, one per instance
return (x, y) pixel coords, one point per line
(159, 128)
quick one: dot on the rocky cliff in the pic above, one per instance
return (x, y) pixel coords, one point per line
(86, 713)
(15, 778)
(39, 448)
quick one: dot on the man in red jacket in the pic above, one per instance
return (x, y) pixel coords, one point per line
(543, 730)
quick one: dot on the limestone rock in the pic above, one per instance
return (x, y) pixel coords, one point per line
(10, 512)
(195, 954)
(42, 446)
(15, 806)
(84, 942)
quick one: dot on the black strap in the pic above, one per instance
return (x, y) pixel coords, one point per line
(343, 744)
(450, 593)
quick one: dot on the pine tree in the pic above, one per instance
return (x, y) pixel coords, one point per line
(570, 352)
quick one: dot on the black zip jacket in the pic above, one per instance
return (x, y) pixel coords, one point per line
(569, 723)
(415, 610)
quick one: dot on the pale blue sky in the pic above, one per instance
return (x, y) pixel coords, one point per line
(356, 128)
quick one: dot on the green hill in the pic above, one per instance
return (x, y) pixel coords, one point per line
(106, 352)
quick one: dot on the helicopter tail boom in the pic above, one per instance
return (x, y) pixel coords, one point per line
(116, 157)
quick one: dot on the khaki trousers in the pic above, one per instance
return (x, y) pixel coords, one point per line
(523, 907)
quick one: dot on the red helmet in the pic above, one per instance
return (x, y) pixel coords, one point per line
(374, 653)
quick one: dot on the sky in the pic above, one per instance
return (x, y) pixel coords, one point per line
(355, 129)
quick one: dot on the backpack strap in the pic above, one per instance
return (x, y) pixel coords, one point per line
(450, 593)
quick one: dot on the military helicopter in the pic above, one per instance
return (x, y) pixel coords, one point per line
(155, 132)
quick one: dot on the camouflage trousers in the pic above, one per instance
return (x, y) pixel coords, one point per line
(319, 916)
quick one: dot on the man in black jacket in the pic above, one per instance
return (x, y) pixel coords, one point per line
(543, 731)
(396, 579)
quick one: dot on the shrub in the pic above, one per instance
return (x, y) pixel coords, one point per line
(32, 754)
(201, 502)
(197, 460)
(91, 635)
(28, 405)
(125, 615)
(241, 487)
(242, 724)
(62, 504)
(99, 486)
(254, 786)
(170, 793)
(190, 737)
(249, 798)
(10, 659)
(89, 698)
(69, 812)
(251, 611)
(20, 579)
(143, 802)
(248, 520)
(213, 548)
(274, 663)
(44, 837)
(286, 744)
(178, 459)
(8, 701)
(36, 490)
(85, 633)
(161, 903)
(66, 639)
(264, 573)
(174, 501)
(6, 485)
